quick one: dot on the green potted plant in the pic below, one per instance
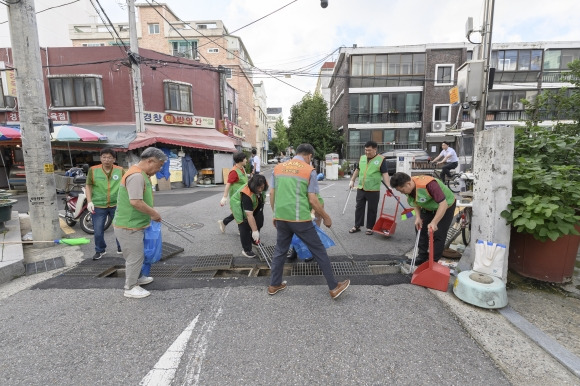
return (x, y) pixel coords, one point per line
(545, 205)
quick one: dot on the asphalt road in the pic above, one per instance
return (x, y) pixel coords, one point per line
(228, 331)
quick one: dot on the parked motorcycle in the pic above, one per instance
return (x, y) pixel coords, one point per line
(75, 207)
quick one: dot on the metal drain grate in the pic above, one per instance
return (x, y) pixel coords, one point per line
(169, 250)
(86, 271)
(205, 263)
(338, 268)
(269, 250)
(44, 265)
(158, 270)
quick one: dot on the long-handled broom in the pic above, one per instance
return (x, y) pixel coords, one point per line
(407, 212)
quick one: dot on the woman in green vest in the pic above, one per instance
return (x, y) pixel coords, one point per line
(236, 179)
(247, 205)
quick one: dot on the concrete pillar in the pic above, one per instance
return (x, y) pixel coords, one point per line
(492, 190)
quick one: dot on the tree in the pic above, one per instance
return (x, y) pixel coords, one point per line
(280, 143)
(309, 123)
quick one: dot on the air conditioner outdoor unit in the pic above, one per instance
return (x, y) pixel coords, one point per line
(518, 106)
(9, 101)
(437, 126)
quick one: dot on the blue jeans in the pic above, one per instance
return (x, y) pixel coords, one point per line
(99, 218)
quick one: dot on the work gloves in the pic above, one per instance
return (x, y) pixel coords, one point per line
(91, 207)
(256, 236)
(223, 201)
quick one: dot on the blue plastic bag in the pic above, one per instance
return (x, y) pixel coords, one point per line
(302, 250)
(152, 243)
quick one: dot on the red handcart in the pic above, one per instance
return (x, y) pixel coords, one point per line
(386, 224)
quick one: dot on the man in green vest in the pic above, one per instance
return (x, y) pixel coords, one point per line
(373, 169)
(436, 204)
(294, 193)
(236, 179)
(134, 214)
(102, 187)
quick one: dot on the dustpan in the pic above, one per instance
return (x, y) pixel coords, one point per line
(386, 223)
(431, 274)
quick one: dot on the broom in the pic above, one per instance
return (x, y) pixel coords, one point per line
(407, 212)
(77, 241)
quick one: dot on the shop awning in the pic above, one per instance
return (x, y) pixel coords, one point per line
(209, 139)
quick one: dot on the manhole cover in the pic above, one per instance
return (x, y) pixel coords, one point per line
(338, 268)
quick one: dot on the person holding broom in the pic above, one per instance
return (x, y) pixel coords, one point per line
(434, 203)
(372, 169)
(134, 214)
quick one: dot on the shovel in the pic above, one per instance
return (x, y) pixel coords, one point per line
(407, 212)
(431, 274)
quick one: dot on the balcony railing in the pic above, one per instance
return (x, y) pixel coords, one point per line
(519, 115)
(392, 117)
(557, 77)
(355, 149)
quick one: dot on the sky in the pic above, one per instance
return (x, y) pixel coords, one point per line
(303, 35)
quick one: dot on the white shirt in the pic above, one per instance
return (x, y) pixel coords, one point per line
(452, 158)
(256, 162)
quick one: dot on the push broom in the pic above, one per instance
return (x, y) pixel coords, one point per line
(407, 212)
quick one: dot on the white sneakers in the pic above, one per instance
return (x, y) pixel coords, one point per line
(144, 280)
(222, 226)
(137, 292)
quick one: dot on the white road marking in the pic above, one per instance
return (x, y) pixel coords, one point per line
(327, 186)
(164, 370)
(193, 369)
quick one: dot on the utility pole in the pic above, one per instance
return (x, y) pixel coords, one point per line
(36, 148)
(485, 55)
(135, 66)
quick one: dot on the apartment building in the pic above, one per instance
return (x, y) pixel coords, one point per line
(398, 96)
(206, 41)
(261, 109)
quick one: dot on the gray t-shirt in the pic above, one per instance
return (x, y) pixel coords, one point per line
(135, 185)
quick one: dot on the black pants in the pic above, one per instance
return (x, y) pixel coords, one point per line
(228, 219)
(246, 231)
(371, 201)
(445, 170)
(438, 237)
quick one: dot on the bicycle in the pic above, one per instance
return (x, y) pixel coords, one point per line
(453, 182)
(461, 224)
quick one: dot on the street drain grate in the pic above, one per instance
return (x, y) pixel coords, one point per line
(158, 270)
(269, 250)
(86, 271)
(208, 263)
(169, 250)
(198, 275)
(44, 265)
(338, 268)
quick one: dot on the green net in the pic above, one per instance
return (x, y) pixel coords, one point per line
(78, 241)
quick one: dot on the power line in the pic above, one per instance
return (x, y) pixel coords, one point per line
(263, 17)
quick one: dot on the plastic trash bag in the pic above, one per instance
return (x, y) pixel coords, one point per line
(302, 250)
(152, 243)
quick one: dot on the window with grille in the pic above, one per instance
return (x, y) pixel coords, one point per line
(184, 49)
(178, 97)
(76, 91)
(444, 74)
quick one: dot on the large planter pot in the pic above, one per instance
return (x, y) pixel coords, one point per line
(551, 261)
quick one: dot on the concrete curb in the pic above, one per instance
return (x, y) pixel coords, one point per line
(11, 255)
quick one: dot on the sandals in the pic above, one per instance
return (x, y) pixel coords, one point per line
(354, 230)
(369, 232)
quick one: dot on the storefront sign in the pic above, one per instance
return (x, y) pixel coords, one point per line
(9, 80)
(13, 118)
(178, 120)
(233, 130)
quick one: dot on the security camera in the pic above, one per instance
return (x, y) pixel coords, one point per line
(324, 3)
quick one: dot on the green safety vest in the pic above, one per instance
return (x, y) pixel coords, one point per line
(371, 173)
(291, 180)
(126, 216)
(242, 180)
(104, 187)
(422, 197)
(236, 203)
